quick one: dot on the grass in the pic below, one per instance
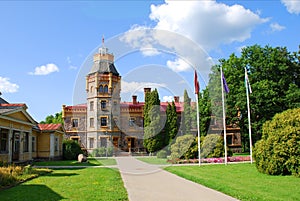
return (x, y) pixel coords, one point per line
(242, 181)
(71, 184)
(154, 160)
(241, 154)
(91, 162)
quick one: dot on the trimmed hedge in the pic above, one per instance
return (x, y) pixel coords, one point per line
(278, 152)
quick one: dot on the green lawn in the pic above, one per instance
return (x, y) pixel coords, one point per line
(70, 184)
(91, 162)
(242, 181)
(154, 160)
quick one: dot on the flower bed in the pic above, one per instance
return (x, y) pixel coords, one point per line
(211, 160)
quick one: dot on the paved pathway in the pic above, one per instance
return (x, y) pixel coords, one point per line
(150, 183)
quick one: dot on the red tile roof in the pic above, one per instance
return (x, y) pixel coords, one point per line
(13, 104)
(49, 127)
(163, 106)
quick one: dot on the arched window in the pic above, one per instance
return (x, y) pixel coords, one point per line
(105, 89)
(101, 89)
(91, 89)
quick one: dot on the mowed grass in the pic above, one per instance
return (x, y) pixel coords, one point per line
(70, 184)
(91, 162)
(242, 181)
(154, 160)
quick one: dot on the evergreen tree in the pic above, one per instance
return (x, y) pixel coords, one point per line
(186, 117)
(153, 136)
(171, 127)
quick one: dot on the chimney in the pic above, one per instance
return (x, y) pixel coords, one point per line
(176, 99)
(134, 97)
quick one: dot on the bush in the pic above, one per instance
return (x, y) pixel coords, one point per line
(278, 152)
(161, 154)
(213, 147)
(71, 150)
(181, 146)
(101, 152)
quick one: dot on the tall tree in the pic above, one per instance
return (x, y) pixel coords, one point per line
(153, 136)
(186, 118)
(274, 77)
(171, 126)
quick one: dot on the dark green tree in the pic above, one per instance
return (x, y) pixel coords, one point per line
(186, 117)
(274, 77)
(56, 119)
(171, 126)
(153, 136)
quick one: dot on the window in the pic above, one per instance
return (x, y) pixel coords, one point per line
(3, 140)
(33, 144)
(91, 105)
(74, 123)
(105, 89)
(56, 144)
(103, 142)
(101, 89)
(103, 104)
(26, 142)
(131, 121)
(91, 122)
(91, 143)
(91, 89)
(103, 121)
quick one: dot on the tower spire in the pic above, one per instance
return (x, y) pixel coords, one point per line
(102, 40)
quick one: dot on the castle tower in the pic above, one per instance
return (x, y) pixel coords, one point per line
(103, 86)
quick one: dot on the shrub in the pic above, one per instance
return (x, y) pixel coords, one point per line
(161, 154)
(278, 152)
(101, 152)
(181, 146)
(213, 147)
(71, 150)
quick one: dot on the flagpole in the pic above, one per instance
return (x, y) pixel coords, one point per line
(196, 83)
(198, 128)
(224, 122)
(249, 119)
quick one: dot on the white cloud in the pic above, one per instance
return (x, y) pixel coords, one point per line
(45, 69)
(167, 98)
(276, 27)
(133, 87)
(6, 86)
(292, 6)
(178, 65)
(209, 23)
(188, 29)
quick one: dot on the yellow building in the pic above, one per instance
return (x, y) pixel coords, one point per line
(23, 139)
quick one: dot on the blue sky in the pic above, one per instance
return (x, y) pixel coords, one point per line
(45, 46)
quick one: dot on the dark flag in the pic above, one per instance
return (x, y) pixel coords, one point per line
(196, 83)
(225, 84)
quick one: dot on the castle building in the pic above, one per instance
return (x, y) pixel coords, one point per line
(105, 121)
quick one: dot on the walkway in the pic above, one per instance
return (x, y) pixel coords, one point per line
(151, 183)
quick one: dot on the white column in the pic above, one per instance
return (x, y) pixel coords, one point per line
(51, 145)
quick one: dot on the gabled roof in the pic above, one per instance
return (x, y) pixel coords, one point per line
(49, 127)
(104, 67)
(6, 109)
(2, 100)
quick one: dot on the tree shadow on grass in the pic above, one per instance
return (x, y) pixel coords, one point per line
(30, 192)
(60, 174)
